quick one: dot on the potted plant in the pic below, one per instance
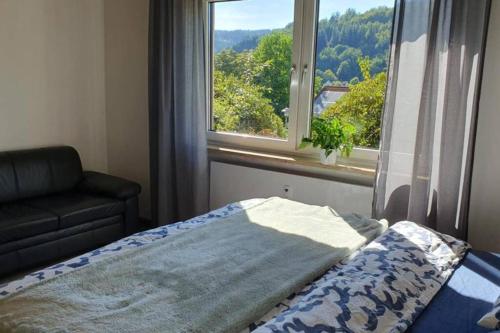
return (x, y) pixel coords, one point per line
(331, 136)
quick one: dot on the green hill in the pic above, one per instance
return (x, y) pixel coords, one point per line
(341, 40)
(226, 39)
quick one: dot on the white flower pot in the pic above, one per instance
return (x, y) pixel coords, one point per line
(330, 160)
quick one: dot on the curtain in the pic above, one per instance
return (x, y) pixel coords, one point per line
(178, 145)
(429, 121)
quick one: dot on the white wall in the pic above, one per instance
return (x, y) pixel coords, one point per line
(484, 215)
(229, 183)
(126, 31)
(52, 77)
(74, 72)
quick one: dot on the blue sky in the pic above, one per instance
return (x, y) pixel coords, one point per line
(272, 14)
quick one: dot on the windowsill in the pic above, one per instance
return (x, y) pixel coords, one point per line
(345, 170)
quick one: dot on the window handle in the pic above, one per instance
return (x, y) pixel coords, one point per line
(304, 72)
(293, 69)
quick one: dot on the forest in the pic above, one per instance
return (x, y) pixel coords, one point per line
(251, 74)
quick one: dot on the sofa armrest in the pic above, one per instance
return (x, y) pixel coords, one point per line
(99, 183)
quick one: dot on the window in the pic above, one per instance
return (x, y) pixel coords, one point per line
(276, 65)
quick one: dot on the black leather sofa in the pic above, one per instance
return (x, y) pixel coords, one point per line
(51, 209)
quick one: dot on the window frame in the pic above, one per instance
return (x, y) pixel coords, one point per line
(305, 25)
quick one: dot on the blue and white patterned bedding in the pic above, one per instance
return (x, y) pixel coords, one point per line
(382, 289)
(407, 274)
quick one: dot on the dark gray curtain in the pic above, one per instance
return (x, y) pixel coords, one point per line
(428, 127)
(178, 153)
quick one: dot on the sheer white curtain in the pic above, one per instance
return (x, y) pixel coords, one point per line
(429, 120)
(179, 167)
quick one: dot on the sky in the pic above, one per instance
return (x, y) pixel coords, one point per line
(272, 14)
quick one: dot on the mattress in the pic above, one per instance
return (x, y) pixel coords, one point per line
(465, 298)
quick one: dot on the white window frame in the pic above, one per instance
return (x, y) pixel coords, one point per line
(301, 83)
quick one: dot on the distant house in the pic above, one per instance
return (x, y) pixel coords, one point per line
(326, 97)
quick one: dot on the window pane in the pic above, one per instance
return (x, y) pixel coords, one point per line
(252, 52)
(352, 51)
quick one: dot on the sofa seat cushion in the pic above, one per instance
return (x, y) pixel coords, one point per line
(18, 221)
(75, 208)
(53, 236)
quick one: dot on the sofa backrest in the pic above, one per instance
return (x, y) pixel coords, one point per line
(37, 172)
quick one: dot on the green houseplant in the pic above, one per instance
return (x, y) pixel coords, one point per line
(330, 135)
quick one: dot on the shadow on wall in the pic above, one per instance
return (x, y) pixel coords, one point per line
(398, 207)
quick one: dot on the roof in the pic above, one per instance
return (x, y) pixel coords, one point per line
(326, 97)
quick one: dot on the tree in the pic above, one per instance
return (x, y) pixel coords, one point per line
(342, 39)
(252, 72)
(241, 107)
(240, 104)
(274, 52)
(362, 106)
(242, 65)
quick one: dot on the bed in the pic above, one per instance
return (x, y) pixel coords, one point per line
(485, 266)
